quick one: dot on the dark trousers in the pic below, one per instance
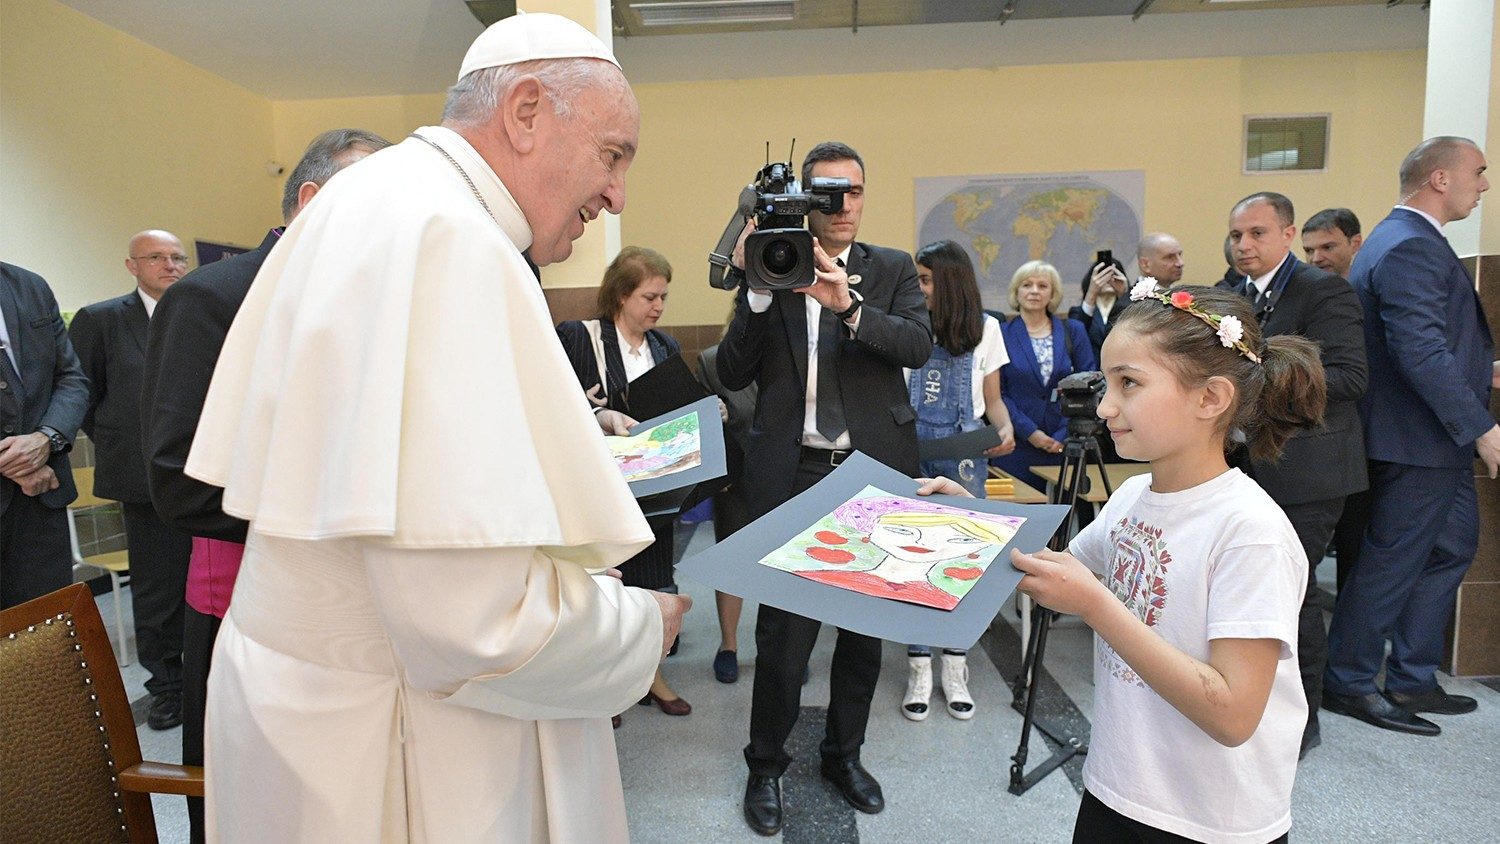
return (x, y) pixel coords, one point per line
(1314, 522)
(1423, 532)
(159, 558)
(198, 634)
(1350, 533)
(1099, 824)
(783, 643)
(35, 556)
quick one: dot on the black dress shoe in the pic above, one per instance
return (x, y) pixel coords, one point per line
(1375, 708)
(165, 712)
(763, 804)
(1312, 736)
(1434, 700)
(855, 783)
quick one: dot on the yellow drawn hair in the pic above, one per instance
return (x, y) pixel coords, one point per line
(966, 525)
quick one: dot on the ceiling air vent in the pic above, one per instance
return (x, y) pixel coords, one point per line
(1291, 143)
(716, 12)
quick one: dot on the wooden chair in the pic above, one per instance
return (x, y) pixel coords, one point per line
(70, 762)
(115, 563)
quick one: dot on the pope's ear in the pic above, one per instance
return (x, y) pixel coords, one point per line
(521, 112)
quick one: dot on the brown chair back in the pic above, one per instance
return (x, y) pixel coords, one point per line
(66, 729)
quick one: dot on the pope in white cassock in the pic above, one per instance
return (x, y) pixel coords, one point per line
(421, 644)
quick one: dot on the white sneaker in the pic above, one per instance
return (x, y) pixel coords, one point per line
(918, 688)
(956, 686)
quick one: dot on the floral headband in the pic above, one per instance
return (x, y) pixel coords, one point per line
(1231, 332)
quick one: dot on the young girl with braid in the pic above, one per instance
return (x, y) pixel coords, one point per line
(1191, 578)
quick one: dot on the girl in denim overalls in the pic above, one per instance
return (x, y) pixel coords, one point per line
(955, 391)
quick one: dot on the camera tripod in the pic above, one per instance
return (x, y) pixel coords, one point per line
(1080, 449)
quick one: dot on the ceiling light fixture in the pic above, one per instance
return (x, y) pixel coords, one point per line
(708, 12)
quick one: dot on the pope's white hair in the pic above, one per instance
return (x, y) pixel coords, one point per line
(476, 97)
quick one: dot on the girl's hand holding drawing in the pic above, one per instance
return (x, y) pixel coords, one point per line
(1058, 581)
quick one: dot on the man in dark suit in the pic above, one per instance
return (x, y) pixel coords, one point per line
(1319, 467)
(827, 361)
(1331, 238)
(43, 396)
(1426, 414)
(187, 334)
(110, 338)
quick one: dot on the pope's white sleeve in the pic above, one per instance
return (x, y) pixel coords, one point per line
(512, 631)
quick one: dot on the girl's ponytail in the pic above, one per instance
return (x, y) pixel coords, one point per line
(1293, 396)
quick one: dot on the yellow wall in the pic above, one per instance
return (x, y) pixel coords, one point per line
(102, 135)
(1179, 121)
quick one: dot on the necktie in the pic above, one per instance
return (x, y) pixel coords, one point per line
(830, 415)
(10, 393)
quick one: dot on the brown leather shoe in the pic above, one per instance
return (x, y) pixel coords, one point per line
(676, 706)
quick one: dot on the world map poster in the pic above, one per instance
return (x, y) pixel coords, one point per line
(904, 549)
(1004, 221)
(670, 447)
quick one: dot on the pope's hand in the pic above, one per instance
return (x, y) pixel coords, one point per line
(942, 486)
(614, 423)
(596, 397)
(673, 607)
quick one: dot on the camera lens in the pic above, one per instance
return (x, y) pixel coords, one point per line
(779, 257)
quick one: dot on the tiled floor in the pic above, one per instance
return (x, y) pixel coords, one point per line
(945, 780)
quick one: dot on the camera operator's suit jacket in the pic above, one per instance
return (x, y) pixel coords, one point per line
(770, 350)
(1327, 462)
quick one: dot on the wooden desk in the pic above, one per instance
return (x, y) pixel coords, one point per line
(1024, 493)
(1118, 474)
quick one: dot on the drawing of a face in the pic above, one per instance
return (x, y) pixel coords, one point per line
(924, 543)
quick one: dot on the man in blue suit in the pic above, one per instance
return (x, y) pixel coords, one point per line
(1425, 414)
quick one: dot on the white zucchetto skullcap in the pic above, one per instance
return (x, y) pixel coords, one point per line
(532, 37)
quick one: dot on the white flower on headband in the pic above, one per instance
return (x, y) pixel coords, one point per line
(1230, 331)
(1143, 289)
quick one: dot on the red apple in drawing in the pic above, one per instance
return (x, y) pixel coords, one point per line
(832, 556)
(963, 572)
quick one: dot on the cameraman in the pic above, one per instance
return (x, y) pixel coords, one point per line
(827, 360)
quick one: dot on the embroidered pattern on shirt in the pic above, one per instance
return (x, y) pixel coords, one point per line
(1137, 574)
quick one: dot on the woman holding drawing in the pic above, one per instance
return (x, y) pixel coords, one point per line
(956, 391)
(609, 352)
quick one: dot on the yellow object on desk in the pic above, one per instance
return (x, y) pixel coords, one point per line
(1000, 486)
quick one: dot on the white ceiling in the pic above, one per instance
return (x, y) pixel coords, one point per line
(302, 49)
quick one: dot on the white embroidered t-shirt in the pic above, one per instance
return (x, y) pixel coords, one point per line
(1217, 561)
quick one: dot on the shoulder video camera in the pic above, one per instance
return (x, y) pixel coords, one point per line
(778, 254)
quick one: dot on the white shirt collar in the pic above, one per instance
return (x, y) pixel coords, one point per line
(147, 301)
(1424, 215)
(502, 205)
(1261, 282)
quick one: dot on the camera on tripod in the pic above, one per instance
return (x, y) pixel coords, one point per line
(1079, 395)
(779, 253)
